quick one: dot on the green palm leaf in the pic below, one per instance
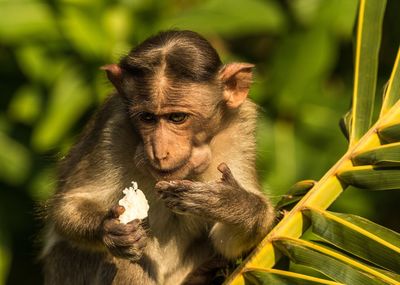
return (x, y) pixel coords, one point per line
(355, 234)
(390, 132)
(372, 178)
(385, 155)
(260, 276)
(366, 66)
(392, 94)
(335, 265)
(357, 251)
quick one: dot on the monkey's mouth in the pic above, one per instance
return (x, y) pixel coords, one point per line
(178, 172)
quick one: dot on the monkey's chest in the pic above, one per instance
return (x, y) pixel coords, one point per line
(179, 248)
(174, 264)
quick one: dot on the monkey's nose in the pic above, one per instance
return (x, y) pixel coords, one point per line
(163, 163)
(161, 157)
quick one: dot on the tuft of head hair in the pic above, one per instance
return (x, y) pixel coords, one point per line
(183, 55)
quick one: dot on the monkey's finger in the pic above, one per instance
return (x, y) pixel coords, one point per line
(126, 230)
(132, 251)
(125, 240)
(116, 211)
(125, 236)
(223, 167)
(169, 195)
(179, 209)
(227, 175)
(142, 242)
(129, 228)
(172, 186)
(110, 223)
(184, 184)
(163, 185)
(134, 223)
(171, 203)
(168, 191)
(113, 226)
(145, 223)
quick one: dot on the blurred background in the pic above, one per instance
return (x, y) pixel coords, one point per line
(50, 84)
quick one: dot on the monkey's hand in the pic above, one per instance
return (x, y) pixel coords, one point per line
(241, 218)
(211, 200)
(123, 240)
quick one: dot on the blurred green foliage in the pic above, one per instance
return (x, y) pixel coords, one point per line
(51, 51)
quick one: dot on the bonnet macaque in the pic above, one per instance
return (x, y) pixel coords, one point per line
(181, 126)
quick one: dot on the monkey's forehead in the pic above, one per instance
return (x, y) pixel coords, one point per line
(172, 103)
(172, 92)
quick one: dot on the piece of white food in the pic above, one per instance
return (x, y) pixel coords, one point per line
(135, 204)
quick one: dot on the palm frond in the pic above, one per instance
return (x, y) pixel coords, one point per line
(356, 251)
(370, 19)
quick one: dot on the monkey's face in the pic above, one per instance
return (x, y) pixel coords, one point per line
(175, 126)
(176, 118)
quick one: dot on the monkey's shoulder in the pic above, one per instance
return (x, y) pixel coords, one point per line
(107, 141)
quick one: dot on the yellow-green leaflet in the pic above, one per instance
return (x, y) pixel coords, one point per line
(354, 234)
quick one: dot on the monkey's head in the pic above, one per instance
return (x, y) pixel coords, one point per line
(178, 95)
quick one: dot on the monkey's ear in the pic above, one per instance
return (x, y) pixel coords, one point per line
(237, 78)
(114, 74)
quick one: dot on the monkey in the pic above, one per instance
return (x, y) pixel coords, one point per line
(181, 125)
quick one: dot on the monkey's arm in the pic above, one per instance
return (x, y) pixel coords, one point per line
(248, 218)
(78, 214)
(86, 219)
(242, 218)
(91, 182)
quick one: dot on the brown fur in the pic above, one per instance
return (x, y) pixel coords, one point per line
(193, 226)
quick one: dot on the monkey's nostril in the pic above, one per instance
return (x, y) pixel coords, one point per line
(161, 161)
(162, 156)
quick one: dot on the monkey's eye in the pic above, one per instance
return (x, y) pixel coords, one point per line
(147, 117)
(177, 118)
